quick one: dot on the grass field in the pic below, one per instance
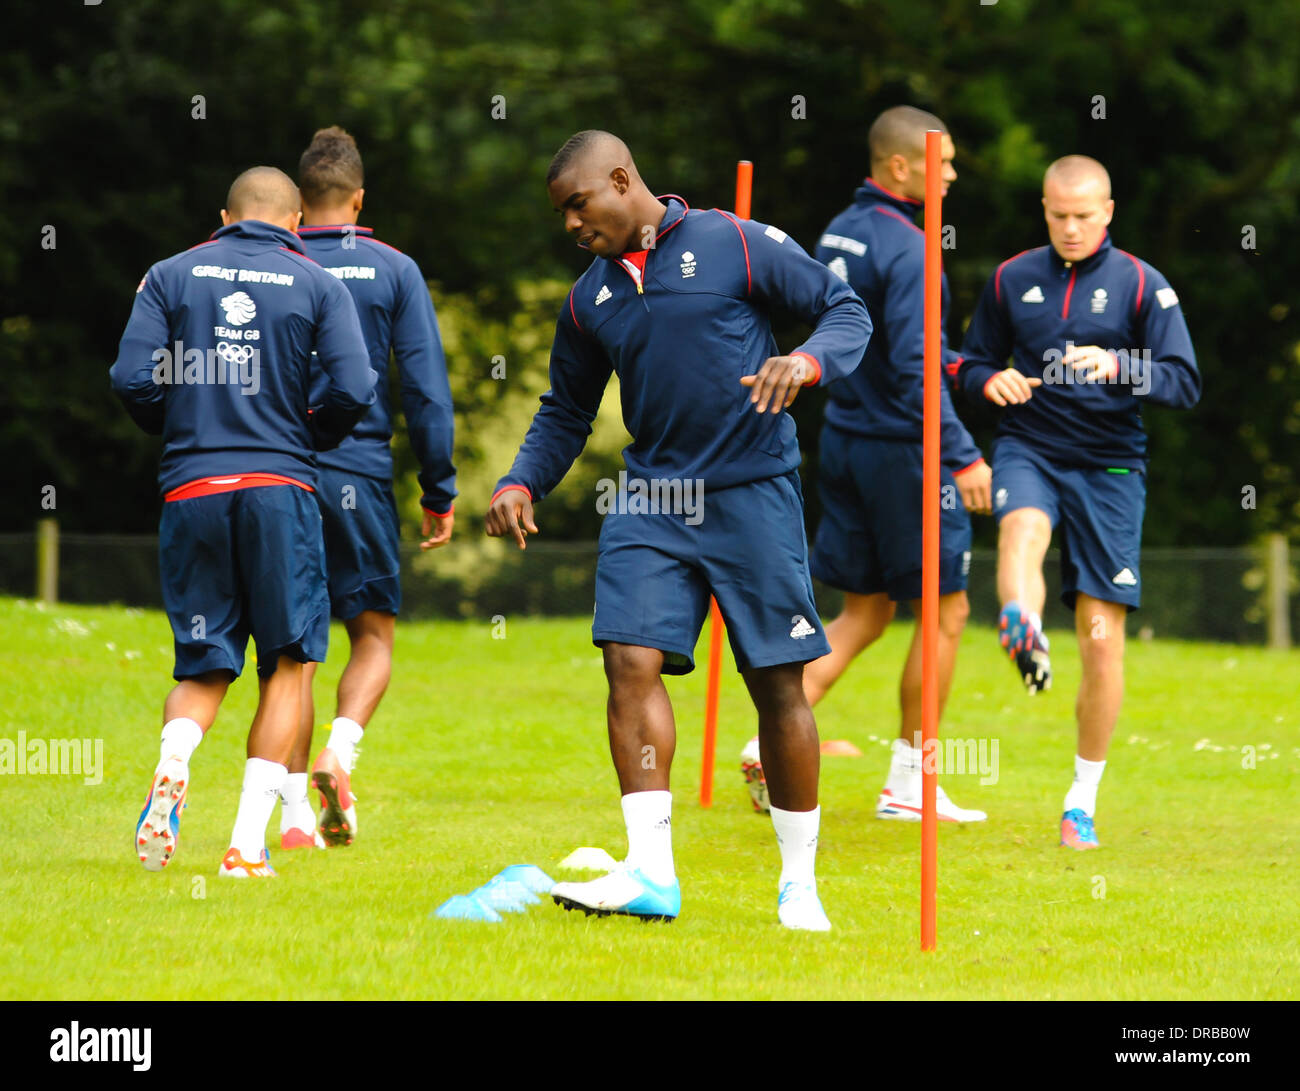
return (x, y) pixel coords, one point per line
(488, 752)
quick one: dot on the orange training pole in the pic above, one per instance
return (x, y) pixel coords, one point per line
(744, 187)
(930, 538)
(716, 629)
(744, 190)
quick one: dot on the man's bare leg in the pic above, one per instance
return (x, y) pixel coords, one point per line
(788, 741)
(188, 712)
(363, 683)
(903, 801)
(1099, 626)
(642, 738)
(1023, 537)
(270, 742)
(954, 609)
(859, 625)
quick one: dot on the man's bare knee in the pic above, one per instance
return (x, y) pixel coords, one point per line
(1023, 528)
(777, 691)
(371, 627)
(869, 615)
(630, 665)
(954, 611)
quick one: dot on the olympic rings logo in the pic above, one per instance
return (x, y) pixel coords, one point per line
(235, 354)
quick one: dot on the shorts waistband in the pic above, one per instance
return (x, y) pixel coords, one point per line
(210, 486)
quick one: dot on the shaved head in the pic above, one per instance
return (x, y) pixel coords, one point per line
(1075, 171)
(901, 131)
(594, 184)
(897, 139)
(593, 150)
(262, 193)
(1077, 206)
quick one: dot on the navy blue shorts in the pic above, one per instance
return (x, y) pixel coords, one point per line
(1099, 512)
(869, 539)
(359, 516)
(241, 563)
(654, 575)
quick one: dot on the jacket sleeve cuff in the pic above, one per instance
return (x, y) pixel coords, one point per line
(507, 488)
(813, 363)
(966, 469)
(439, 514)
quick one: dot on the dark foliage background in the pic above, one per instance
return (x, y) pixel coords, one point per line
(100, 142)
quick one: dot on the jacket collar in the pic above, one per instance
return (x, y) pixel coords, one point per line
(262, 231)
(1092, 260)
(677, 209)
(335, 231)
(873, 193)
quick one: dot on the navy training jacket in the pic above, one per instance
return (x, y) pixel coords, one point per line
(874, 245)
(221, 351)
(1036, 305)
(680, 340)
(396, 313)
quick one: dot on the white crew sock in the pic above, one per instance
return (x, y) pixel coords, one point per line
(262, 782)
(295, 808)
(649, 820)
(1083, 792)
(344, 736)
(904, 770)
(796, 835)
(180, 738)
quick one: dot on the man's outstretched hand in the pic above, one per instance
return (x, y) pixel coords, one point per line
(778, 382)
(975, 484)
(1010, 387)
(442, 535)
(511, 513)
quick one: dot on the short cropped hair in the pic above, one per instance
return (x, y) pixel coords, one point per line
(330, 168)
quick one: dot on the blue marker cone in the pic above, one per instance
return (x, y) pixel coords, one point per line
(506, 895)
(530, 876)
(466, 907)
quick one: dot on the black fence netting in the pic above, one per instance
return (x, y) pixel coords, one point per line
(1190, 594)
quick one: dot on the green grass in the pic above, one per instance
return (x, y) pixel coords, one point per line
(491, 752)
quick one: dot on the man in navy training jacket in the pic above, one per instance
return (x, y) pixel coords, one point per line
(1094, 334)
(869, 475)
(222, 351)
(355, 486)
(677, 303)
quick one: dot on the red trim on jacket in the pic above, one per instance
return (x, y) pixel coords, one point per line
(749, 276)
(1142, 279)
(891, 193)
(210, 486)
(507, 488)
(997, 277)
(816, 376)
(1069, 291)
(900, 219)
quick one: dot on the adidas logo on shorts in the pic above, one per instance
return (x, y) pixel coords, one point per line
(801, 627)
(1124, 578)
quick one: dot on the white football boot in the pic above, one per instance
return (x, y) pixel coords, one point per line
(798, 907)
